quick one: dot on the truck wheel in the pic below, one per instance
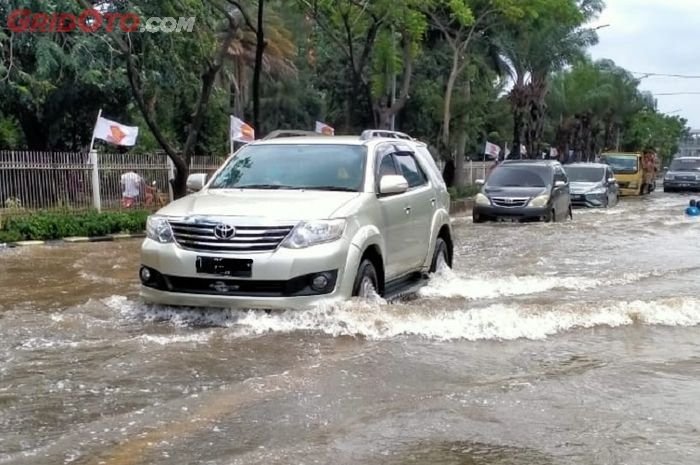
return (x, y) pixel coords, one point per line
(366, 281)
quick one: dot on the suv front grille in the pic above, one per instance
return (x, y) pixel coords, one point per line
(510, 202)
(200, 236)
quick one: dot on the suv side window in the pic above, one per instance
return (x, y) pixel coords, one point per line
(410, 169)
(559, 175)
(386, 166)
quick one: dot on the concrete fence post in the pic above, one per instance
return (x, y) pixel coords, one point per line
(96, 198)
(171, 177)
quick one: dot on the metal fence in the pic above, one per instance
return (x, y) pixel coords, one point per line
(81, 181)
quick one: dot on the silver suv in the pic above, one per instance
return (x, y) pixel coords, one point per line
(290, 221)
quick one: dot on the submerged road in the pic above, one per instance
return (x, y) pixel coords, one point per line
(575, 343)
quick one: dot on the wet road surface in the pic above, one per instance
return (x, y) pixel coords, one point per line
(572, 343)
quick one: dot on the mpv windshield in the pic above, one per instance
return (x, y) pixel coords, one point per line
(520, 176)
(286, 166)
(685, 164)
(585, 174)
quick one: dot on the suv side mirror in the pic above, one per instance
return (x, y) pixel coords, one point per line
(560, 183)
(612, 180)
(393, 184)
(195, 182)
(480, 182)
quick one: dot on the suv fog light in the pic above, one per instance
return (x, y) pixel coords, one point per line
(320, 282)
(145, 274)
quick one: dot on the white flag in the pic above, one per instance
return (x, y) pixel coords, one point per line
(115, 133)
(241, 131)
(323, 128)
(492, 149)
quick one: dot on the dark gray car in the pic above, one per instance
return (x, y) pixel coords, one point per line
(592, 185)
(683, 175)
(522, 190)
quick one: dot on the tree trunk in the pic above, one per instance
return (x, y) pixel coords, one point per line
(462, 141)
(447, 109)
(257, 71)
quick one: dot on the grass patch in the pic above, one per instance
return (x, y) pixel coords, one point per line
(44, 226)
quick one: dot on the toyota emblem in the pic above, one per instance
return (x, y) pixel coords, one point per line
(224, 231)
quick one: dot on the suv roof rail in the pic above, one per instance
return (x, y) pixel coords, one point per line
(370, 133)
(290, 133)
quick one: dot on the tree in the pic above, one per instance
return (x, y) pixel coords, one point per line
(534, 48)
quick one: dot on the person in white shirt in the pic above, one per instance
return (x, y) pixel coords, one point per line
(131, 185)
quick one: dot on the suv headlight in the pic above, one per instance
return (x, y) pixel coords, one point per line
(540, 201)
(310, 233)
(670, 177)
(158, 229)
(482, 200)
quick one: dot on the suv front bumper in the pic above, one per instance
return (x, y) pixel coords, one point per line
(279, 280)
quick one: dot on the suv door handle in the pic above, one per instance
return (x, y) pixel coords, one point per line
(407, 210)
(432, 202)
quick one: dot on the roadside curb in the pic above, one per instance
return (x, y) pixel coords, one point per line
(74, 240)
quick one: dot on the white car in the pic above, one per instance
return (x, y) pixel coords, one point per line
(288, 222)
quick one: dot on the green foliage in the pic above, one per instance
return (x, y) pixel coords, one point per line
(464, 192)
(55, 225)
(650, 129)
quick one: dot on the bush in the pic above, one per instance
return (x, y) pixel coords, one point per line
(463, 192)
(54, 225)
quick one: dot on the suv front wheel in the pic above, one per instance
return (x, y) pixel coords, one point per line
(366, 282)
(441, 256)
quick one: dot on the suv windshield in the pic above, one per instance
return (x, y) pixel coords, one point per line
(520, 176)
(287, 166)
(585, 174)
(685, 164)
(622, 163)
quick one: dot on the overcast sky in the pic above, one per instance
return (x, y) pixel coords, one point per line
(656, 36)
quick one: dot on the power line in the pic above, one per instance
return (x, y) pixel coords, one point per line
(676, 93)
(679, 76)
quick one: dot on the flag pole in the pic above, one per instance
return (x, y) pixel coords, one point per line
(92, 142)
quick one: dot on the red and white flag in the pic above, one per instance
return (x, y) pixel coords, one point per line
(492, 149)
(241, 131)
(115, 133)
(323, 128)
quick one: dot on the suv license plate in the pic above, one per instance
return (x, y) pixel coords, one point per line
(242, 268)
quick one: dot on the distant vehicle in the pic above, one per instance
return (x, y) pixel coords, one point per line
(633, 176)
(287, 222)
(524, 190)
(592, 185)
(683, 175)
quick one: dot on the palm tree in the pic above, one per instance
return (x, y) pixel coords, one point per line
(531, 51)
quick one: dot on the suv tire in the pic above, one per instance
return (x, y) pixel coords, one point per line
(366, 280)
(440, 256)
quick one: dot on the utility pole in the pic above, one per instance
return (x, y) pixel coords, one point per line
(393, 81)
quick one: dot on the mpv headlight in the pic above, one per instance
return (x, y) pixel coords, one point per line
(597, 191)
(315, 232)
(481, 199)
(540, 201)
(158, 229)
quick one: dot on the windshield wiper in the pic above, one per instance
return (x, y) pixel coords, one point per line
(328, 188)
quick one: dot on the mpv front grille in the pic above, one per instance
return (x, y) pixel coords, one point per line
(510, 202)
(201, 236)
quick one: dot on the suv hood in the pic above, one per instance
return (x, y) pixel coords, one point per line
(693, 173)
(522, 192)
(278, 204)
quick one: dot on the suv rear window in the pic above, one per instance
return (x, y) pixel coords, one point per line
(520, 176)
(292, 166)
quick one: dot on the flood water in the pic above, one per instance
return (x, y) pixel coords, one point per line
(575, 343)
